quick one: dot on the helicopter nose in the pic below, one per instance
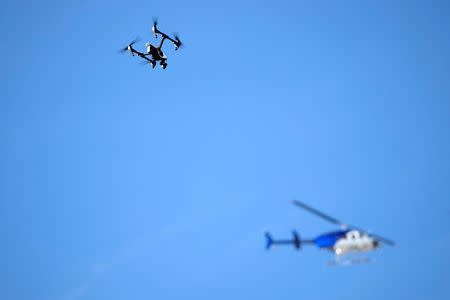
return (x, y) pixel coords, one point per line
(376, 244)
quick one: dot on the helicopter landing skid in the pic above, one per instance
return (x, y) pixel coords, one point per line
(346, 261)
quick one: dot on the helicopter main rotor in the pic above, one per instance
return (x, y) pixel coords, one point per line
(339, 223)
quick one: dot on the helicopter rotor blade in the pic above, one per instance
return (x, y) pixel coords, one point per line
(318, 213)
(337, 222)
(382, 239)
(374, 235)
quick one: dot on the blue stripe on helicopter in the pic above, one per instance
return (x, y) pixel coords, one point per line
(329, 239)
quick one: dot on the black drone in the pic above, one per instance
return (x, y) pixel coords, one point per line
(156, 54)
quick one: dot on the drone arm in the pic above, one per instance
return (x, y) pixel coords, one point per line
(165, 36)
(170, 39)
(134, 51)
(146, 58)
(162, 40)
(142, 55)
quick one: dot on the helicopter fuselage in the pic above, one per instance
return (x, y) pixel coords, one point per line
(345, 241)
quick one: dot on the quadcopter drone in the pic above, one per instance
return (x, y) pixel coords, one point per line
(347, 239)
(154, 54)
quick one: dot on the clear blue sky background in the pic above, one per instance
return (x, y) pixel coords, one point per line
(122, 182)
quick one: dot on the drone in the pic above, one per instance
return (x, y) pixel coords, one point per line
(154, 54)
(346, 240)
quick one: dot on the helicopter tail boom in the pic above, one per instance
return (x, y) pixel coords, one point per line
(295, 241)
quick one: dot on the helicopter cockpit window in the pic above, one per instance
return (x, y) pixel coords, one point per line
(353, 235)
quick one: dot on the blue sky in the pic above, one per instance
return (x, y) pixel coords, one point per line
(123, 182)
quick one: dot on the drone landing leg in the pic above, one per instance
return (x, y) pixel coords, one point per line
(163, 63)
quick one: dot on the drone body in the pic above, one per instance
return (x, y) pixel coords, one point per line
(347, 240)
(153, 53)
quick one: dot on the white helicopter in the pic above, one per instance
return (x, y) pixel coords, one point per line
(348, 239)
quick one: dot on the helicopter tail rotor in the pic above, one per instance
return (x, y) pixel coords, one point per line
(269, 240)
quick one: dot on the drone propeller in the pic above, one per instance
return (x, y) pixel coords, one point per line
(129, 45)
(154, 27)
(178, 43)
(337, 222)
(148, 62)
(124, 49)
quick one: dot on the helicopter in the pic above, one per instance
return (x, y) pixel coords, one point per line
(154, 52)
(346, 240)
